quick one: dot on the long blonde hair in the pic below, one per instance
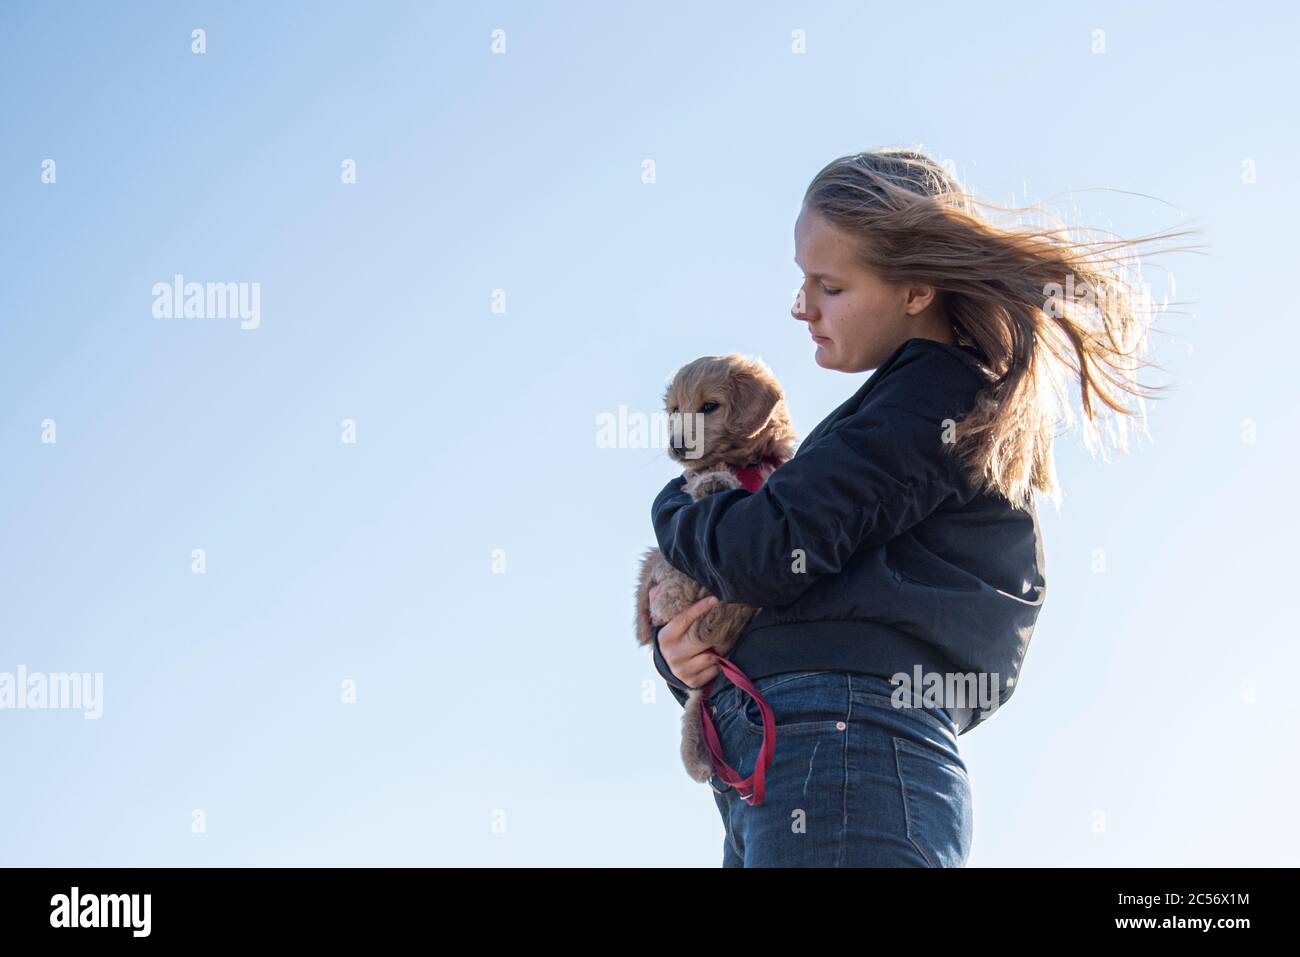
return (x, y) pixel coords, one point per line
(1036, 300)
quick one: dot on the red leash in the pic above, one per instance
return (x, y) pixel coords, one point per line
(750, 788)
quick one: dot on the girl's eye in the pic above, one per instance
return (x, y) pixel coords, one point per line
(709, 407)
(831, 292)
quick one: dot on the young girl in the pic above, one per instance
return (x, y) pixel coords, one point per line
(897, 557)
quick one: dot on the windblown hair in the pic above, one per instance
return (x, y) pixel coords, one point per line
(1037, 299)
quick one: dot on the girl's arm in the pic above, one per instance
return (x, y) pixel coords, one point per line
(878, 472)
(675, 684)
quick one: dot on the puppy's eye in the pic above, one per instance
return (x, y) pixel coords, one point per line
(709, 407)
(674, 410)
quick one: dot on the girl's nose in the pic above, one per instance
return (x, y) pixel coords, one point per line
(799, 309)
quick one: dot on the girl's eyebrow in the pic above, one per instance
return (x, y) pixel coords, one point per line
(817, 275)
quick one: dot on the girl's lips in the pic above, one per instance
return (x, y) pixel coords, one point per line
(817, 338)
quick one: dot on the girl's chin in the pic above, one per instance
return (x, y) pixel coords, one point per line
(827, 359)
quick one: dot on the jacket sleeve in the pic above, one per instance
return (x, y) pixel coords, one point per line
(876, 473)
(679, 689)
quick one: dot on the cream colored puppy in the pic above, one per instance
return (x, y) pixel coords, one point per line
(730, 429)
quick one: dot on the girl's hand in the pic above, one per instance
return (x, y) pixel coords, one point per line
(693, 665)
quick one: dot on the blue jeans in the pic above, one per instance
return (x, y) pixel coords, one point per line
(855, 781)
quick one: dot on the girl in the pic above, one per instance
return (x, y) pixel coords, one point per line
(897, 557)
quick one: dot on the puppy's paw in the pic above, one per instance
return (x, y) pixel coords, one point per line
(695, 756)
(700, 484)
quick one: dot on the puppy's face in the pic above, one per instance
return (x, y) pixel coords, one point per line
(722, 410)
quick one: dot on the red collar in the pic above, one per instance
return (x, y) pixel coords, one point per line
(751, 476)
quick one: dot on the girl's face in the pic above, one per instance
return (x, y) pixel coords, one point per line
(856, 319)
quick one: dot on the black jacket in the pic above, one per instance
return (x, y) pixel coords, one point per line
(870, 551)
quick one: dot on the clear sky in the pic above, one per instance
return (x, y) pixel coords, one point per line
(467, 564)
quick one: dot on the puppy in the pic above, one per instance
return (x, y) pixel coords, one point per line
(729, 429)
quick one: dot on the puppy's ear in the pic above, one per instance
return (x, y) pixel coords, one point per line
(755, 395)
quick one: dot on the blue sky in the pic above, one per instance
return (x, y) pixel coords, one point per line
(501, 713)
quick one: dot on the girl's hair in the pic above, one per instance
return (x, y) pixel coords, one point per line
(1035, 300)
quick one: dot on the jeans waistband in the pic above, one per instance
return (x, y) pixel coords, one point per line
(958, 718)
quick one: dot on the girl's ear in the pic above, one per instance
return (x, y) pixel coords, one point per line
(919, 299)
